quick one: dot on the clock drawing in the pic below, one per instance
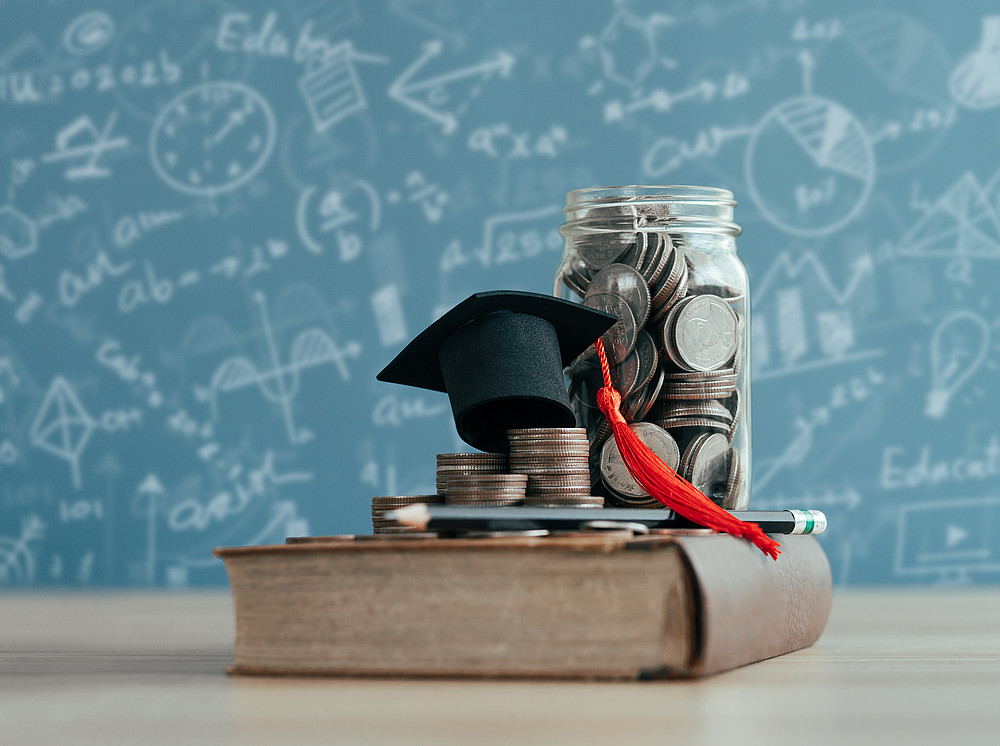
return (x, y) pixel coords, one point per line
(212, 138)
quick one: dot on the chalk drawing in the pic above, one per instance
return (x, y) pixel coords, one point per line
(88, 33)
(786, 335)
(82, 140)
(331, 87)
(437, 97)
(975, 83)
(948, 539)
(280, 382)
(187, 30)
(323, 223)
(829, 166)
(18, 233)
(212, 138)
(147, 505)
(961, 224)
(959, 345)
(62, 426)
(628, 46)
(17, 563)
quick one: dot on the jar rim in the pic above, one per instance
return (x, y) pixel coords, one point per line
(649, 194)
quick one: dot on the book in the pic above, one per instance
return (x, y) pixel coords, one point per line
(675, 603)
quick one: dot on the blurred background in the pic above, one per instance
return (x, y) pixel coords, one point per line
(219, 220)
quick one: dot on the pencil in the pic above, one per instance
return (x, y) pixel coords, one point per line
(473, 518)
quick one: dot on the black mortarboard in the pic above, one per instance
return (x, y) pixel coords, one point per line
(499, 355)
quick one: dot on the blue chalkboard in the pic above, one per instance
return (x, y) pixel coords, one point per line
(219, 220)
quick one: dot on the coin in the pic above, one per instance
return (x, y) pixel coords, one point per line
(648, 357)
(734, 481)
(704, 332)
(625, 282)
(559, 433)
(673, 288)
(657, 258)
(555, 462)
(637, 406)
(625, 375)
(620, 338)
(615, 472)
(708, 467)
(638, 250)
(600, 249)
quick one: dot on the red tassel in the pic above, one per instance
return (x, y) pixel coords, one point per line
(662, 482)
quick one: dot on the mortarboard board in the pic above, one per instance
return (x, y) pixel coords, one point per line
(499, 356)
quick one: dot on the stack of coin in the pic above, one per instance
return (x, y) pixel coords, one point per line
(555, 462)
(385, 503)
(449, 464)
(674, 356)
(494, 490)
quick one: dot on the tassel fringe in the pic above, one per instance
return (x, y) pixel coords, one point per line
(662, 482)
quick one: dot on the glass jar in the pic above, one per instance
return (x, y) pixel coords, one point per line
(663, 260)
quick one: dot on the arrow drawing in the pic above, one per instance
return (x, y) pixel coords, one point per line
(149, 493)
(430, 96)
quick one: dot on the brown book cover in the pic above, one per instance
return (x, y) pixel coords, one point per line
(673, 604)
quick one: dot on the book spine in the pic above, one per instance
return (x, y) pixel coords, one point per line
(750, 607)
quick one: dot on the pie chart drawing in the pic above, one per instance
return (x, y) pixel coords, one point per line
(810, 166)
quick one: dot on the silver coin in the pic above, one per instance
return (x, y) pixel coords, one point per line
(637, 252)
(625, 282)
(545, 432)
(734, 407)
(384, 500)
(649, 358)
(465, 458)
(734, 482)
(710, 409)
(625, 375)
(620, 338)
(705, 332)
(674, 287)
(703, 423)
(638, 406)
(615, 472)
(602, 248)
(709, 466)
(657, 247)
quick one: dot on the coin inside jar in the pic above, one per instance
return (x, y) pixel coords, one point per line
(708, 465)
(703, 331)
(620, 338)
(613, 469)
(625, 282)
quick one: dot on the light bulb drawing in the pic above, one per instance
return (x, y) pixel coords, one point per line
(958, 347)
(975, 83)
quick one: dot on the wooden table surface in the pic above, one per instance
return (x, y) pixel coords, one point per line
(893, 666)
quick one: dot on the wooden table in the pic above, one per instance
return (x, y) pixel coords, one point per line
(894, 666)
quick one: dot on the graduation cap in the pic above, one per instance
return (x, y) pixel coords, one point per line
(499, 356)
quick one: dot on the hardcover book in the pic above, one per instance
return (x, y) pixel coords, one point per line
(681, 603)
